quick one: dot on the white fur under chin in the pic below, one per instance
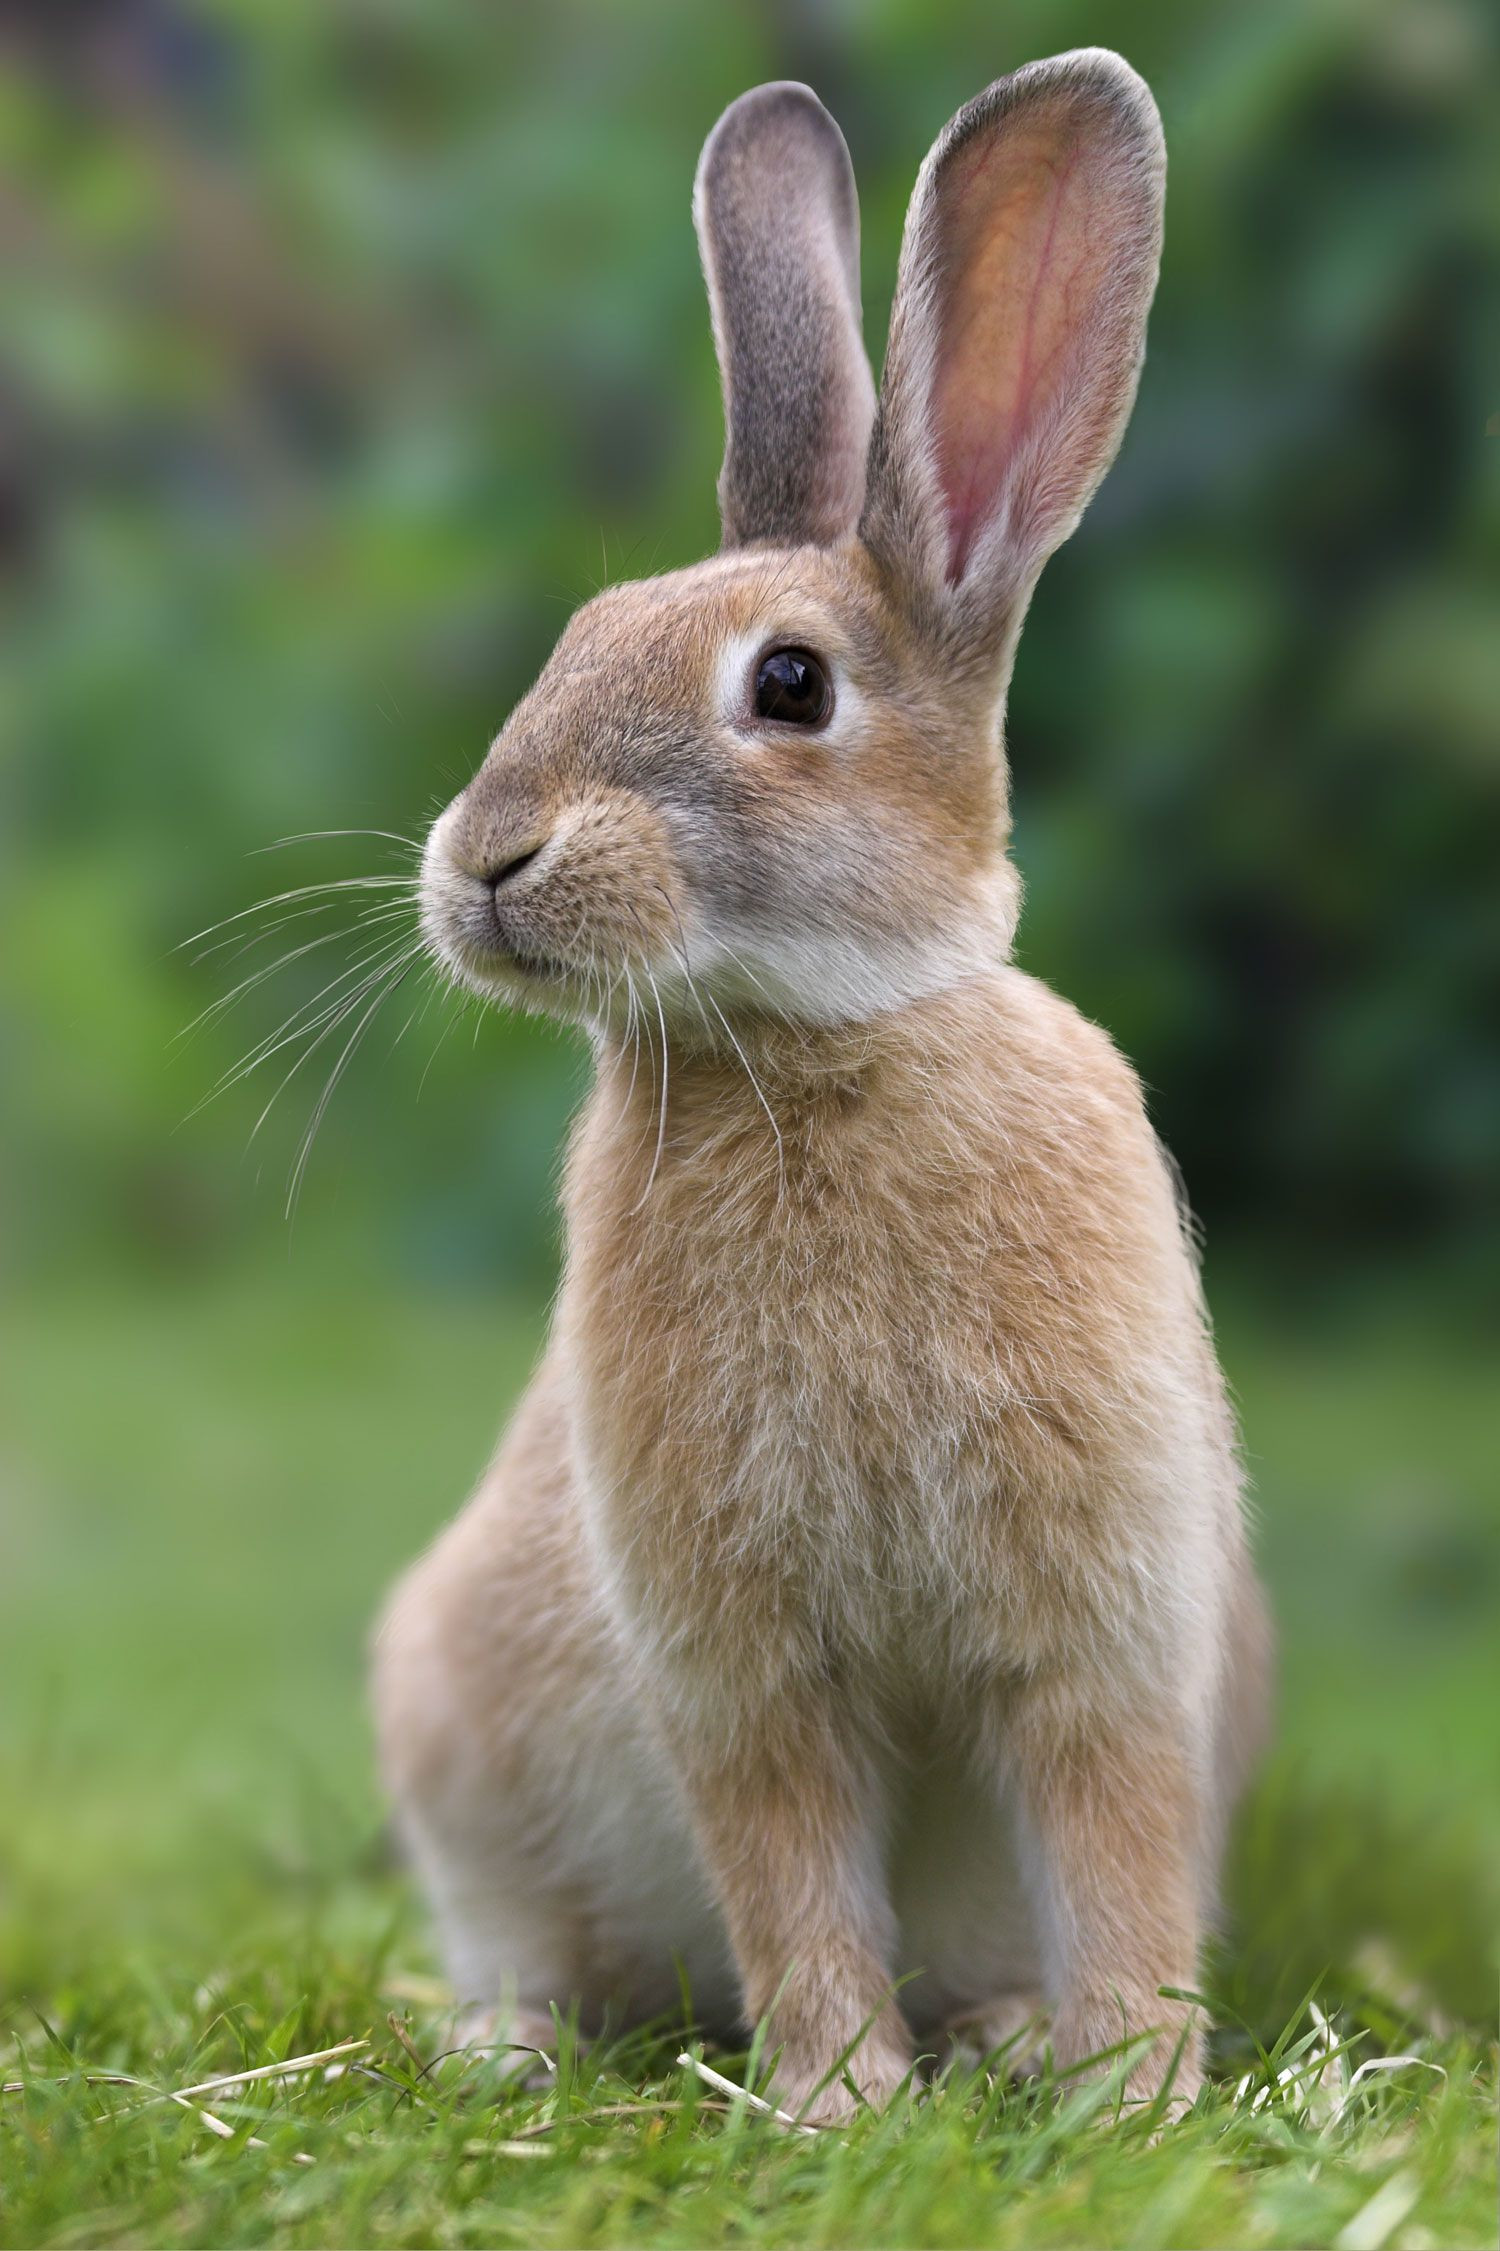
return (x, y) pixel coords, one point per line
(826, 978)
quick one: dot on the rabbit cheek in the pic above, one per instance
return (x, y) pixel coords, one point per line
(850, 910)
(605, 898)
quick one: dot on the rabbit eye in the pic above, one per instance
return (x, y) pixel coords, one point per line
(791, 685)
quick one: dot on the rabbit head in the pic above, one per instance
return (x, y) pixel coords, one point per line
(774, 783)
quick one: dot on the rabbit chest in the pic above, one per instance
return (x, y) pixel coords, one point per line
(856, 1398)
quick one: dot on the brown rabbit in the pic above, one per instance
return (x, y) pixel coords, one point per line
(860, 1594)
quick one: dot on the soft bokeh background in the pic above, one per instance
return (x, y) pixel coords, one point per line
(345, 348)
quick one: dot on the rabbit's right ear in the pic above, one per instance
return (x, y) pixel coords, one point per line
(778, 228)
(1019, 325)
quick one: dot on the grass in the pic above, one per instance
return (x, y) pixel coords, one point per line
(629, 2146)
(205, 1492)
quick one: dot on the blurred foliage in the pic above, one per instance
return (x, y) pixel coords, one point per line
(347, 346)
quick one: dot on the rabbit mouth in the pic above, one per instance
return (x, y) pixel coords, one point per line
(492, 963)
(543, 967)
(500, 957)
(517, 956)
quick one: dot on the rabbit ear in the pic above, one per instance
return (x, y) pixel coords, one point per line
(1027, 270)
(778, 228)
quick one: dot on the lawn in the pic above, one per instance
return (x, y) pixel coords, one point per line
(206, 1489)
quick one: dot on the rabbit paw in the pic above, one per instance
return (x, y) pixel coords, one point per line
(870, 2078)
(1173, 2060)
(519, 2044)
(1008, 2031)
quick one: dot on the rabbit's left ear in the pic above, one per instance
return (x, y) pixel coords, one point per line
(778, 228)
(1027, 270)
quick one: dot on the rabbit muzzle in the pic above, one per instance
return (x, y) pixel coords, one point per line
(547, 904)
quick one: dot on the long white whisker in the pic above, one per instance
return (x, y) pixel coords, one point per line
(434, 983)
(305, 891)
(439, 984)
(741, 964)
(294, 1026)
(283, 961)
(642, 1022)
(755, 1083)
(661, 1131)
(339, 1014)
(319, 835)
(310, 1012)
(392, 984)
(633, 1027)
(242, 944)
(700, 997)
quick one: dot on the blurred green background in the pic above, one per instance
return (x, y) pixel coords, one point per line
(346, 347)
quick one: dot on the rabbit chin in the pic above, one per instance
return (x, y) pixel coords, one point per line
(463, 940)
(512, 979)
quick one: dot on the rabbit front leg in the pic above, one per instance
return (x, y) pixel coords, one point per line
(1112, 1809)
(786, 1820)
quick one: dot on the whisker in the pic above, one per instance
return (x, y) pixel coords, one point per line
(755, 1083)
(309, 1011)
(455, 1017)
(337, 1015)
(642, 1021)
(310, 1015)
(700, 997)
(434, 985)
(392, 984)
(741, 964)
(386, 949)
(633, 1027)
(243, 944)
(227, 1000)
(321, 835)
(292, 1027)
(661, 1131)
(305, 891)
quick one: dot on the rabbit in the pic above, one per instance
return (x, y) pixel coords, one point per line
(857, 1619)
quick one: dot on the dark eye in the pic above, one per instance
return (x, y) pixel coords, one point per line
(791, 685)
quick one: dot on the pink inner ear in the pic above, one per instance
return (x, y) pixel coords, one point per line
(1021, 270)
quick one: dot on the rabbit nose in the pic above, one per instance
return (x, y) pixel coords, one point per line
(497, 873)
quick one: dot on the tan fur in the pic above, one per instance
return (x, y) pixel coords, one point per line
(861, 1591)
